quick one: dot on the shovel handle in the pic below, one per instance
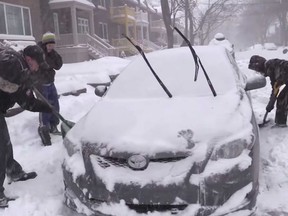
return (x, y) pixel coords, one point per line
(52, 108)
(265, 116)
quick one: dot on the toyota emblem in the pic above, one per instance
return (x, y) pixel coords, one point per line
(137, 162)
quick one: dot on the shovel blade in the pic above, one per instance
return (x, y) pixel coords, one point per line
(65, 127)
(265, 123)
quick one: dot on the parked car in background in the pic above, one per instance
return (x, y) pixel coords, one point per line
(193, 153)
(220, 40)
(270, 46)
(256, 47)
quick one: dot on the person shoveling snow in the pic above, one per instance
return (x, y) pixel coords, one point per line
(276, 69)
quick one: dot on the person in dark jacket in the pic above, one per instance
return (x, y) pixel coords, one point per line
(277, 71)
(16, 69)
(48, 121)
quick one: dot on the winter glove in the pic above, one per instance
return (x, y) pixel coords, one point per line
(40, 106)
(271, 103)
(28, 80)
(28, 83)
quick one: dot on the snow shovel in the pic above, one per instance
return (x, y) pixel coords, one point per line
(66, 125)
(265, 121)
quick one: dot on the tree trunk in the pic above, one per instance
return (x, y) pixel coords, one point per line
(191, 28)
(283, 28)
(167, 21)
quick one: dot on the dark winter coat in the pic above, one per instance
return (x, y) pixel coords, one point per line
(277, 70)
(15, 83)
(55, 62)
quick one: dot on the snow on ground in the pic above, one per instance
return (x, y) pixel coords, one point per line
(43, 196)
(273, 194)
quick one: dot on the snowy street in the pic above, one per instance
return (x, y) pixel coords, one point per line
(43, 196)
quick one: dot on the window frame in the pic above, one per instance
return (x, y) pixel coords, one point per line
(56, 23)
(102, 4)
(24, 25)
(104, 30)
(82, 25)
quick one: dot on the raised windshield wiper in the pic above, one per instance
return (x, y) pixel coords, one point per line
(147, 62)
(196, 60)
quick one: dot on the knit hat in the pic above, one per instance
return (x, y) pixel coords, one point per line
(48, 37)
(257, 63)
(36, 53)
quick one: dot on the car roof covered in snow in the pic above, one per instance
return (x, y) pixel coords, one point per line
(176, 69)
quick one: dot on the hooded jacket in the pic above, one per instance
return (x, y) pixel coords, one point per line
(277, 70)
(55, 62)
(15, 83)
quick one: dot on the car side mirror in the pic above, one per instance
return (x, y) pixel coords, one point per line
(100, 90)
(255, 82)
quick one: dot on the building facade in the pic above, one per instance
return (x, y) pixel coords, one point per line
(86, 29)
(20, 20)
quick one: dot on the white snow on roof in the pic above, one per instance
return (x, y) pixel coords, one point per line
(87, 2)
(16, 37)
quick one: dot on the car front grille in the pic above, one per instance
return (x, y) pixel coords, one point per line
(105, 162)
(174, 209)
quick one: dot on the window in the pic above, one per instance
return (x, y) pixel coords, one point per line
(15, 20)
(103, 31)
(26, 18)
(56, 23)
(2, 20)
(102, 3)
(83, 25)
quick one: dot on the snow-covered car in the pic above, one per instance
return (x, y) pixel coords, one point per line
(220, 40)
(191, 153)
(270, 46)
(256, 47)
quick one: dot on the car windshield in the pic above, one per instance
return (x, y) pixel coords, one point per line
(175, 67)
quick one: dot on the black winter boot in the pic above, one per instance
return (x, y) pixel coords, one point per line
(44, 134)
(3, 200)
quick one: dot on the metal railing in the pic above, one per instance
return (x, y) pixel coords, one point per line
(142, 17)
(122, 12)
(100, 46)
(149, 45)
(157, 25)
(123, 44)
(102, 41)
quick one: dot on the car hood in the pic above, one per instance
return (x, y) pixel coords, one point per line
(163, 124)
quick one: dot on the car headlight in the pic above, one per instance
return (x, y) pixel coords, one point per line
(232, 149)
